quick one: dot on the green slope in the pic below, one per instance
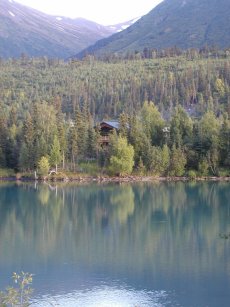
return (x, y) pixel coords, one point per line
(184, 23)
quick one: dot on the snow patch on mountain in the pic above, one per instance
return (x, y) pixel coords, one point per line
(122, 26)
(12, 14)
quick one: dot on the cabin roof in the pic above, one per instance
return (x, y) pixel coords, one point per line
(112, 123)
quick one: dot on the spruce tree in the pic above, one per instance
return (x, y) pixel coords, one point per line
(3, 138)
(55, 153)
(73, 147)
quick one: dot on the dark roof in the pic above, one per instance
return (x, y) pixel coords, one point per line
(112, 123)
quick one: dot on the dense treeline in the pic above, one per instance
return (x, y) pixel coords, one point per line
(146, 141)
(49, 109)
(192, 80)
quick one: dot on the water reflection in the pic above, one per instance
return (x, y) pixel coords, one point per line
(157, 237)
(105, 296)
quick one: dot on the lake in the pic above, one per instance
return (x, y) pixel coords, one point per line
(146, 244)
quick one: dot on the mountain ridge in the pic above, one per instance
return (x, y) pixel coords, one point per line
(26, 30)
(181, 23)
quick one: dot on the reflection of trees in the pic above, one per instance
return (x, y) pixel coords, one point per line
(122, 200)
(104, 225)
(44, 194)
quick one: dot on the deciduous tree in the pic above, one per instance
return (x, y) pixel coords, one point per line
(122, 160)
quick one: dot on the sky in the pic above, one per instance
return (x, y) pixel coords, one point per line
(105, 12)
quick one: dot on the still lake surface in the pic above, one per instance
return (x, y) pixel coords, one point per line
(147, 244)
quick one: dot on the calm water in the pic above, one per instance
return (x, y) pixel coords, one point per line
(118, 245)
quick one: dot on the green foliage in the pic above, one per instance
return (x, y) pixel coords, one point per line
(192, 174)
(6, 172)
(55, 153)
(224, 172)
(141, 168)
(122, 160)
(113, 140)
(138, 139)
(92, 142)
(203, 167)
(165, 160)
(155, 158)
(82, 125)
(90, 167)
(177, 162)
(220, 87)
(190, 110)
(181, 127)
(43, 166)
(25, 157)
(19, 295)
(213, 160)
(3, 138)
(112, 88)
(224, 142)
(72, 148)
(123, 124)
(209, 130)
(152, 122)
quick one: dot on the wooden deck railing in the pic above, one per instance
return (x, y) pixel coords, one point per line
(104, 139)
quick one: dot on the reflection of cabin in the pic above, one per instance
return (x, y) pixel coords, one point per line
(106, 127)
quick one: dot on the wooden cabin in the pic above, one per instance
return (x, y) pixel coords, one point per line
(106, 128)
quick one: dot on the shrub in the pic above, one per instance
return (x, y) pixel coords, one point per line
(20, 294)
(192, 174)
(203, 168)
(6, 172)
(43, 166)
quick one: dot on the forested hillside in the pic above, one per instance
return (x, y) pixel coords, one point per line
(192, 80)
(168, 107)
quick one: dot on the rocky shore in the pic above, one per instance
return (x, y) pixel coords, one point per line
(102, 179)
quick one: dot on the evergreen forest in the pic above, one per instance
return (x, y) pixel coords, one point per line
(173, 110)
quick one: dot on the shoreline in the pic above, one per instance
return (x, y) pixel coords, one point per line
(104, 179)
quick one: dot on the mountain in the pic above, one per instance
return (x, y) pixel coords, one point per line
(181, 23)
(25, 30)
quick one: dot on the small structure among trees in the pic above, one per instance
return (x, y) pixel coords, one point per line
(106, 128)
